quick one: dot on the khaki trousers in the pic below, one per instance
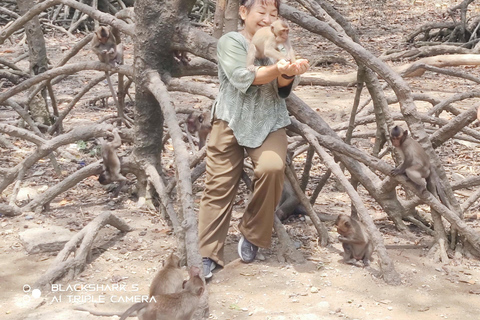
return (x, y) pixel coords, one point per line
(224, 168)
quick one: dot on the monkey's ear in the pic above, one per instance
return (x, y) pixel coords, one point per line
(183, 284)
(194, 271)
(404, 136)
(338, 219)
(200, 291)
(272, 28)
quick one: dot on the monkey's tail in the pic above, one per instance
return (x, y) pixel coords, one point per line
(437, 189)
(136, 307)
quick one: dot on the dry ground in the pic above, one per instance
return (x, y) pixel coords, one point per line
(324, 288)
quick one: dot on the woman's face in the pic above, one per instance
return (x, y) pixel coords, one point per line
(261, 14)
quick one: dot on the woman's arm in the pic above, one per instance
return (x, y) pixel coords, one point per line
(266, 74)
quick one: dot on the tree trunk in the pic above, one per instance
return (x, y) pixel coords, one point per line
(154, 30)
(38, 61)
(219, 18)
(231, 15)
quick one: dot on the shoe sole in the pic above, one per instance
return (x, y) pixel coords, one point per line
(239, 248)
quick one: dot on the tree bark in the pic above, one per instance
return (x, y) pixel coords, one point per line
(38, 61)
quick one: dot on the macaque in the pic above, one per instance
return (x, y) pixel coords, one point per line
(107, 47)
(289, 203)
(416, 165)
(106, 44)
(416, 162)
(111, 162)
(169, 279)
(174, 306)
(265, 43)
(355, 240)
(199, 122)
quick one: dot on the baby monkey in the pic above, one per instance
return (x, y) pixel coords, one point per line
(355, 240)
(266, 41)
(416, 162)
(111, 162)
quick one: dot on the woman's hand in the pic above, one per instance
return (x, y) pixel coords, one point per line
(300, 66)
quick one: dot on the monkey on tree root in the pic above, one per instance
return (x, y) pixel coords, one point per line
(266, 42)
(355, 240)
(416, 164)
(174, 306)
(106, 44)
(111, 163)
(107, 47)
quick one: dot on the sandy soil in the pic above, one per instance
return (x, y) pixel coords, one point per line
(323, 288)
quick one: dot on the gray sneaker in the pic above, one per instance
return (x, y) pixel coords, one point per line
(246, 250)
(208, 266)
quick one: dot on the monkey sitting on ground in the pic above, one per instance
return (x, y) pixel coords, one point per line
(111, 162)
(174, 306)
(107, 47)
(266, 41)
(355, 240)
(199, 122)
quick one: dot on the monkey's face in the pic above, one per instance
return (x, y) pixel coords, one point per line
(396, 141)
(192, 123)
(398, 136)
(280, 30)
(344, 226)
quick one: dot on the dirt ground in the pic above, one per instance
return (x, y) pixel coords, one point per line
(323, 288)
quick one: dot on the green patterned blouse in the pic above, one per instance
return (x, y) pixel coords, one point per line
(252, 111)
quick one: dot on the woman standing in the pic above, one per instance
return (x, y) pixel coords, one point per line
(249, 115)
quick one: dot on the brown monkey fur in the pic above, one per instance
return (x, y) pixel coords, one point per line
(106, 44)
(107, 47)
(169, 279)
(111, 163)
(416, 162)
(355, 240)
(416, 165)
(265, 43)
(173, 306)
(199, 122)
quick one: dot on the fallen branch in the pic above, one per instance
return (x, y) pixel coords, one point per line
(64, 70)
(42, 200)
(84, 241)
(80, 133)
(9, 211)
